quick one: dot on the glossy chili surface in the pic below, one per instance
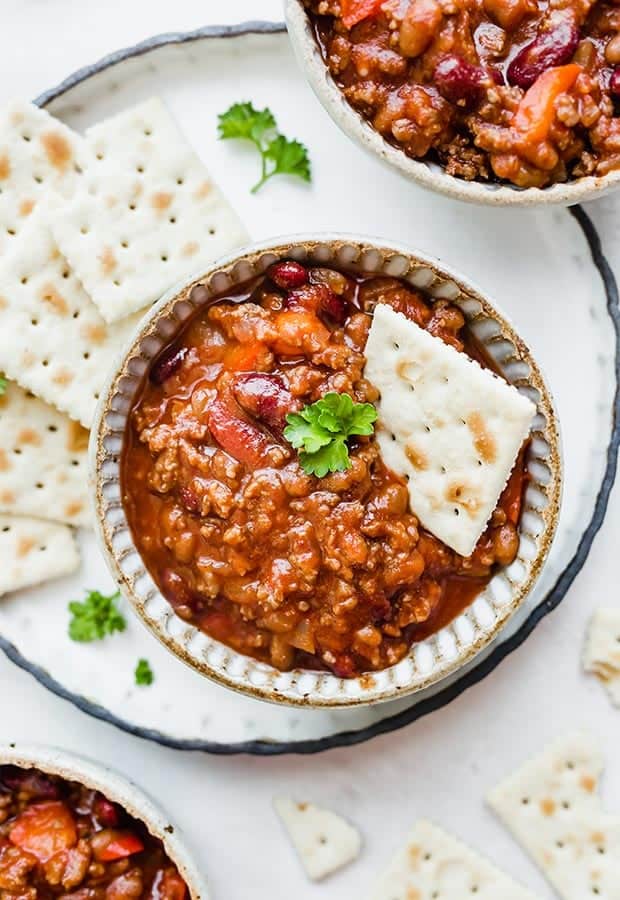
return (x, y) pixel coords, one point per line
(59, 839)
(521, 91)
(295, 570)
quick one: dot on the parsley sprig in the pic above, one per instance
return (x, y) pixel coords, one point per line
(96, 617)
(143, 673)
(279, 156)
(320, 431)
(3, 385)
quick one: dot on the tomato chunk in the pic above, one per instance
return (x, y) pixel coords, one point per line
(512, 496)
(111, 844)
(168, 885)
(44, 830)
(354, 11)
(536, 112)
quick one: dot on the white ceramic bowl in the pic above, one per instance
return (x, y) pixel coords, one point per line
(427, 174)
(431, 659)
(54, 761)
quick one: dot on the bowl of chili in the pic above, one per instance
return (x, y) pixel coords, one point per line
(508, 103)
(275, 572)
(72, 826)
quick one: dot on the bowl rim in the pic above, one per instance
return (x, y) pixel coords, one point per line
(115, 787)
(284, 247)
(434, 177)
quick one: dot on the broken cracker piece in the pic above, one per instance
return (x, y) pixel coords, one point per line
(324, 841)
(433, 864)
(601, 654)
(552, 807)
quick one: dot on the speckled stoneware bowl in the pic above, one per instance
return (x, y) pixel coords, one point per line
(429, 660)
(115, 787)
(427, 174)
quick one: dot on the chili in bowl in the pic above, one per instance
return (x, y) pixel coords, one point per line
(502, 102)
(71, 828)
(251, 506)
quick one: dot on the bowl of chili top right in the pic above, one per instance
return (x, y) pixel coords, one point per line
(327, 471)
(500, 102)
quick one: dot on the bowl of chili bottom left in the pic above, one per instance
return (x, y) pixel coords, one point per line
(87, 830)
(430, 659)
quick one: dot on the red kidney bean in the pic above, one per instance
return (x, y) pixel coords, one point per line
(614, 83)
(178, 594)
(320, 299)
(167, 363)
(456, 79)
(552, 47)
(244, 441)
(106, 811)
(33, 783)
(288, 274)
(189, 499)
(343, 666)
(266, 398)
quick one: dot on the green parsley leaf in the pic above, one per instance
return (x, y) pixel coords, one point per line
(97, 616)
(289, 158)
(144, 673)
(243, 121)
(320, 431)
(279, 156)
(3, 385)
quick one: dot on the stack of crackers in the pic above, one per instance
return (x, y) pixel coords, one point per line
(93, 229)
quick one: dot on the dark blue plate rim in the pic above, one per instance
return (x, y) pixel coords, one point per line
(486, 666)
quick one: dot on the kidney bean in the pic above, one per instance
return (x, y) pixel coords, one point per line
(106, 812)
(288, 274)
(33, 783)
(614, 83)
(184, 600)
(456, 79)
(320, 299)
(241, 439)
(343, 666)
(552, 47)
(266, 398)
(189, 499)
(167, 363)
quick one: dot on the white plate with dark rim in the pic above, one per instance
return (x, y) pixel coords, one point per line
(544, 267)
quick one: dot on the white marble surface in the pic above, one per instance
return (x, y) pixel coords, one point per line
(440, 767)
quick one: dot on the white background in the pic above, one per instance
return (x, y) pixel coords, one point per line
(440, 767)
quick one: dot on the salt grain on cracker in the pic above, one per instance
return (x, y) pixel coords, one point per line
(33, 551)
(601, 654)
(450, 427)
(38, 154)
(323, 840)
(433, 864)
(146, 213)
(43, 460)
(56, 343)
(552, 807)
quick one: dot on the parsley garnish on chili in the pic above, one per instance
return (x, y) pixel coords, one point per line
(3, 385)
(96, 617)
(321, 430)
(279, 155)
(143, 673)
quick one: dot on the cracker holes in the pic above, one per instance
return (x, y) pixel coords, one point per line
(38, 178)
(99, 155)
(164, 257)
(45, 362)
(24, 279)
(427, 857)
(180, 180)
(559, 845)
(34, 322)
(17, 451)
(39, 485)
(75, 462)
(322, 840)
(42, 548)
(595, 889)
(211, 231)
(601, 851)
(11, 231)
(173, 220)
(86, 355)
(84, 229)
(76, 314)
(140, 170)
(125, 245)
(396, 346)
(6, 528)
(26, 137)
(525, 801)
(565, 804)
(65, 273)
(96, 395)
(570, 765)
(52, 428)
(117, 282)
(132, 207)
(147, 132)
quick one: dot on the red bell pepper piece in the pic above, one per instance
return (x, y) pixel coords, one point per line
(536, 111)
(111, 844)
(354, 11)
